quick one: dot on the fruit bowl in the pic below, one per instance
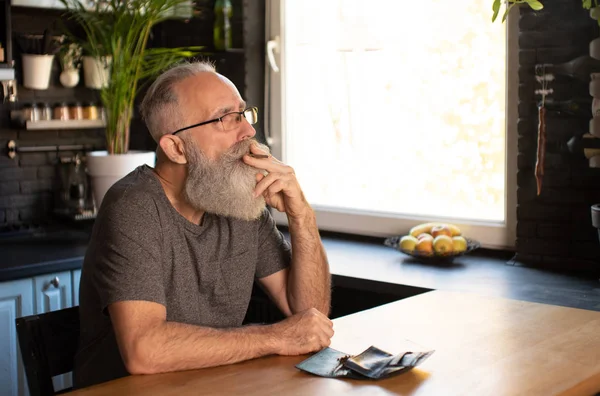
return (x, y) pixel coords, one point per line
(394, 242)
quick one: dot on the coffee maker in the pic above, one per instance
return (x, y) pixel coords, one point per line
(74, 198)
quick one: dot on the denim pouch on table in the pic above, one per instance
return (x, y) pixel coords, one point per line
(373, 363)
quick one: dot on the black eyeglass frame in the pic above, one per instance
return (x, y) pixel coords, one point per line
(241, 113)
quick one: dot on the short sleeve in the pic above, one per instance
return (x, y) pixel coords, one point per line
(127, 260)
(274, 251)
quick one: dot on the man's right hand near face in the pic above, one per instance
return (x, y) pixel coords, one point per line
(305, 332)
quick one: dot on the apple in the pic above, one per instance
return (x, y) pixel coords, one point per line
(441, 229)
(425, 236)
(455, 230)
(425, 245)
(443, 244)
(408, 242)
(459, 243)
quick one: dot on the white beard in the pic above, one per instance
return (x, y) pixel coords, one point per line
(225, 186)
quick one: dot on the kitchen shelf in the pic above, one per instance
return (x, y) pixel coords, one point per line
(64, 124)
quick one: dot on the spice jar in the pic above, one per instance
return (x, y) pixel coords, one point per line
(61, 111)
(45, 112)
(90, 111)
(75, 111)
(31, 112)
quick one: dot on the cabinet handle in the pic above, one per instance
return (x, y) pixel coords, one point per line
(55, 282)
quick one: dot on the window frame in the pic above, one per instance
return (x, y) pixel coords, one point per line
(495, 235)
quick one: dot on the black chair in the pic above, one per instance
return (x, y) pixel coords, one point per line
(48, 345)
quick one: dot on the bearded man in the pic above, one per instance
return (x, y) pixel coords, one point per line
(175, 250)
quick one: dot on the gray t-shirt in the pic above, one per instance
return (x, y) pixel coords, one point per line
(143, 249)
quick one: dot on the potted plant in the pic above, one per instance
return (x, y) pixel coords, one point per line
(591, 5)
(70, 61)
(117, 32)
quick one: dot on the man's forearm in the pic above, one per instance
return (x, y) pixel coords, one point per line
(309, 282)
(173, 346)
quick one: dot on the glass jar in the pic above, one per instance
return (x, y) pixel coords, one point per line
(75, 111)
(31, 112)
(61, 111)
(45, 112)
(90, 111)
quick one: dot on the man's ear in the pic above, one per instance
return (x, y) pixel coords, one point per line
(172, 146)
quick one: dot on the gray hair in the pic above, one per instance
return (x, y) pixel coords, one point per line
(159, 108)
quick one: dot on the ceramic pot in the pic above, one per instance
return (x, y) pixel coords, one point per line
(37, 70)
(96, 71)
(106, 169)
(595, 48)
(596, 215)
(69, 78)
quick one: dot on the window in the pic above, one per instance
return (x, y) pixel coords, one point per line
(396, 113)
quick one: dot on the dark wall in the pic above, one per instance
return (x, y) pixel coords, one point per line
(554, 229)
(28, 184)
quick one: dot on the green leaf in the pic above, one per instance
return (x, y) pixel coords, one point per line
(121, 28)
(535, 5)
(496, 9)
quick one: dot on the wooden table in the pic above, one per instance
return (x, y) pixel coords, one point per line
(484, 346)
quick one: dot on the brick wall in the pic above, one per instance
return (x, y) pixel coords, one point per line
(554, 229)
(28, 184)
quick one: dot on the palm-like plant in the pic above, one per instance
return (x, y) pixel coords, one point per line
(118, 31)
(534, 4)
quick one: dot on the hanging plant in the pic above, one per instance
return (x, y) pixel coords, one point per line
(533, 4)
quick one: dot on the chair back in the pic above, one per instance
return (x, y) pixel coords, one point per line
(48, 345)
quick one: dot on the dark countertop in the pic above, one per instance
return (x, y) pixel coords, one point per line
(355, 264)
(375, 267)
(27, 256)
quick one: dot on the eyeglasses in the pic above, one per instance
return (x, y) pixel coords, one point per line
(230, 120)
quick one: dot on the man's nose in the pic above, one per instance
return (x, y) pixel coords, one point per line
(247, 131)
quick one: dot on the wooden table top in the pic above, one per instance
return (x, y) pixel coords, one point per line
(484, 346)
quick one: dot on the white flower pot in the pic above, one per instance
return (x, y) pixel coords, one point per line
(69, 78)
(594, 88)
(96, 71)
(595, 48)
(105, 169)
(37, 70)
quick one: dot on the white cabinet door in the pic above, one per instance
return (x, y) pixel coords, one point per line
(16, 300)
(53, 292)
(76, 275)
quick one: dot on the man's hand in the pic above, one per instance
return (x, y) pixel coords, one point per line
(305, 332)
(279, 187)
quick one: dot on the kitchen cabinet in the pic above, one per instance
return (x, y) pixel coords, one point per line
(40, 294)
(16, 300)
(76, 275)
(53, 292)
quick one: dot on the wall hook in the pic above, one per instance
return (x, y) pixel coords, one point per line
(12, 149)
